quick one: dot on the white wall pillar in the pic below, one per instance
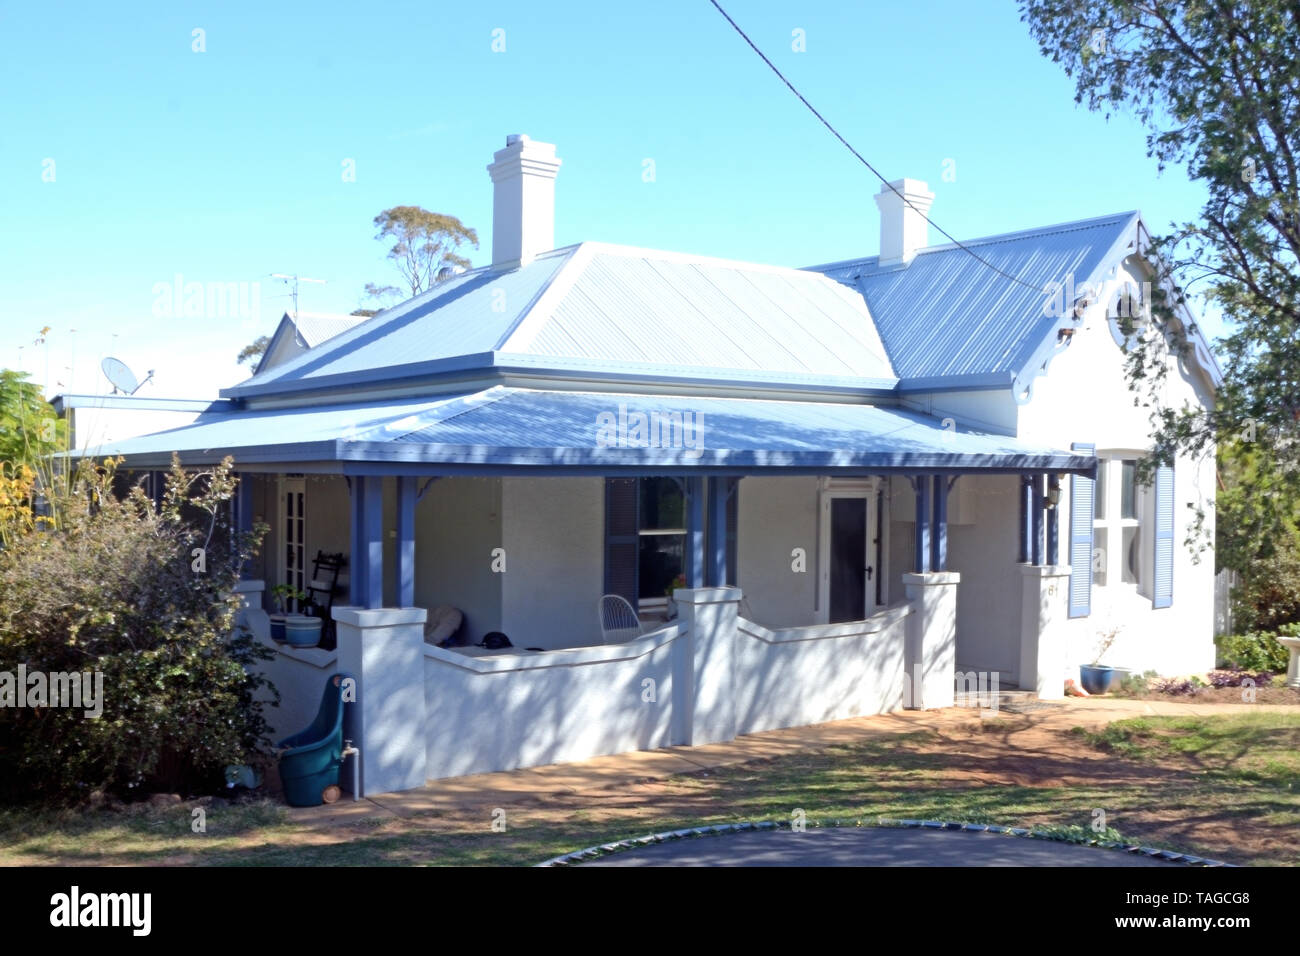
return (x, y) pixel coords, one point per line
(1043, 617)
(250, 597)
(383, 649)
(931, 659)
(704, 704)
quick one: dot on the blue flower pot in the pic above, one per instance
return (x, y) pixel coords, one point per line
(277, 628)
(301, 630)
(1096, 678)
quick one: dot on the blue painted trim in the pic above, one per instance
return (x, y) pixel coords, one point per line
(1026, 495)
(939, 533)
(244, 505)
(717, 517)
(372, 539)
(405, 552)
(498, 364)
(711, 459)
(435, 368)
(1053, 523)
(328, 458)
(1036, 513)
(357, 557)
(695, 532)
(922, 542)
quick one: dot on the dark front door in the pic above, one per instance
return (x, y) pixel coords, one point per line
(849, 565)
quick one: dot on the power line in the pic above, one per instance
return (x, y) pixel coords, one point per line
(847, 145)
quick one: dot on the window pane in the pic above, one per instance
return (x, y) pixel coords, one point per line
(661, 504)
(1099, 495)
(1132, 555)
(1099, 541)
(662, 560)
(1128, 490)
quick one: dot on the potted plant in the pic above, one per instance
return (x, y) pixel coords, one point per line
(1096, 677)
(283, 594)
(302, 630)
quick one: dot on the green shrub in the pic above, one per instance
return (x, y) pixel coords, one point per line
(1267, 595)
(1134, 685)
(120, 589)
(1257, 651)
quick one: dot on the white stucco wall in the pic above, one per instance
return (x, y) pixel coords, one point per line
(533, 709)
(777, 515)
(810, 675)
(991, 410)
(457, 525)
(554, 549)
(93, 427)
(1084, 397)
(986, 555)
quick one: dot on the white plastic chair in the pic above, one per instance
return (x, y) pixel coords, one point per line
(618, 622)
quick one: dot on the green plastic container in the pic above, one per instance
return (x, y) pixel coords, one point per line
(315, 755)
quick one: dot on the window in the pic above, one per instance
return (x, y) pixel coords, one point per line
(645, 536)
(1120, 514)
(661, 551)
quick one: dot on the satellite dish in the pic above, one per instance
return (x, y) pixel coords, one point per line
(121, 377)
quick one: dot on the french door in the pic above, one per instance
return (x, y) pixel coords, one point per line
(293, 524)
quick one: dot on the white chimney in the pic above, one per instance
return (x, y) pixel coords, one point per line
(523, 201)
(902, 226)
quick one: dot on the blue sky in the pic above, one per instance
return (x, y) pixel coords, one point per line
(227, 165)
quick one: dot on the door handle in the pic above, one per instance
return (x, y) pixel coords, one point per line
(868, 573)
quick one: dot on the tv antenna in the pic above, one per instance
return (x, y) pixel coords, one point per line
(121, 377)
(295, 280)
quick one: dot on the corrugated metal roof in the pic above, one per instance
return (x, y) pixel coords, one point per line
(634, 305)
(318, 327)
(265, 429)
(466, 314)
(522, 429)
(609, 306)
(947, 314)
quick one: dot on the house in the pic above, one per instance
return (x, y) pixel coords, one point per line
(874, 476)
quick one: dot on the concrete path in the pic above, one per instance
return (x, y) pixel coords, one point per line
(574, 780)
(870, 846)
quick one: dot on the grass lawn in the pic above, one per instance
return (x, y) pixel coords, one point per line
(1226, 787)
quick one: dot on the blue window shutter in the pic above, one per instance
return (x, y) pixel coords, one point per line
(1162, 592)
(1081, 517)
(622, 541)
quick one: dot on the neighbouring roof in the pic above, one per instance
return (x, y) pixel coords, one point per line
(318, 327)
(947, 319)
(613, 309)
(509, 430)
(308, 328)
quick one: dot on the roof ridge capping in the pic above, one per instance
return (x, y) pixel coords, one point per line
(691, 258)
(1073, 225)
